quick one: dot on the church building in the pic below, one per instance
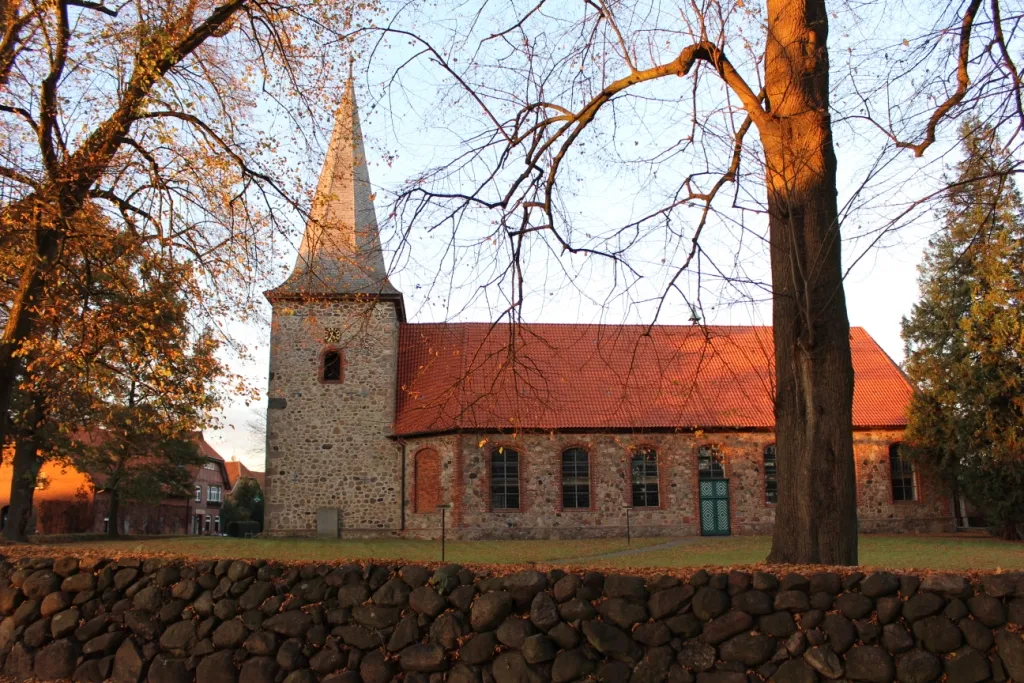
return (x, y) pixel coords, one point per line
(377, 426)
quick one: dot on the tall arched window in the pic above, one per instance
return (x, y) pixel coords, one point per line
(771, 484)
(330, 368)
(644, 471)
(710, 463)
(902, 471)
(428, 480)
(504, 479)
(575, 478)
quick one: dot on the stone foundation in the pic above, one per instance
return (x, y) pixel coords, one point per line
(229, 621)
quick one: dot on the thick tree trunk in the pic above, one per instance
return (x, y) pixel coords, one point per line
(23, 485)
(23, 315)
(816, 517)
(112, 514)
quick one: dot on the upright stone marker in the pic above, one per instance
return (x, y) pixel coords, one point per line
(328, 522)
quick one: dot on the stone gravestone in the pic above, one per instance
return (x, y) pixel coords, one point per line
(328, 522)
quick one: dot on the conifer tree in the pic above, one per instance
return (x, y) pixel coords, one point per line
(965, 338)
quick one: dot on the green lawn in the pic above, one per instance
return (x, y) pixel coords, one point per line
(302, 549)
(891, 552)
(960, 553)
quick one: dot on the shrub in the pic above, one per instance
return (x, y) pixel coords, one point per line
(242, 529)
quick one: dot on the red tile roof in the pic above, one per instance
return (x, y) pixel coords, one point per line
(206, 450)
(237, 470)
(470, 376)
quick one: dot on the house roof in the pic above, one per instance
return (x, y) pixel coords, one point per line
(469, 376)
(206, 450)
(237, 470)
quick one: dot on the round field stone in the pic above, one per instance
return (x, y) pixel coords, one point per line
(869, 663)
(918, 666)
(794, 671)
(490, 610)
(709, 603)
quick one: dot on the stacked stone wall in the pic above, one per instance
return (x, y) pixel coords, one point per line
(229, 621)
(465, 484)
(328, 443)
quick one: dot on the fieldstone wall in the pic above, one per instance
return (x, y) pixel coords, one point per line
(465, 484)
(222, 622)
(328, 444)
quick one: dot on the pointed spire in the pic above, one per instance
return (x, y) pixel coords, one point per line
(341, 252)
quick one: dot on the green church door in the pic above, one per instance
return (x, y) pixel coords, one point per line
(714, 507)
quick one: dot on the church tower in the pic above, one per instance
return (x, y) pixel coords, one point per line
(331, 466)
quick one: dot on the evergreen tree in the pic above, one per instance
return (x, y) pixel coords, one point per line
(965, 338)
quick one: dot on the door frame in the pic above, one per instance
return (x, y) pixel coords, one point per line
(716, 501)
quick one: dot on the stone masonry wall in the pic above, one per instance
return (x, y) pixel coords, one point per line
(466, 481)
(328, 444)
(233, 621)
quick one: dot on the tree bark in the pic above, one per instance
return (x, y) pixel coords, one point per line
(816, 516)
(25, 471)
(113, 512)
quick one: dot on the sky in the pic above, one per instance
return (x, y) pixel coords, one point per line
(412, 123)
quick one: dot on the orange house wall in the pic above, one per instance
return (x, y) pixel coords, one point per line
(63, 505)
(68, 503)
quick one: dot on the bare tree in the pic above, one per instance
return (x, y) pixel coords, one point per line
(534, 85)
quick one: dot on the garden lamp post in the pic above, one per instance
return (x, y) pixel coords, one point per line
(444, 509)
(627, 508)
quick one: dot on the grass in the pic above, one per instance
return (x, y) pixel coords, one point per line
(303, 549)
(950, 553)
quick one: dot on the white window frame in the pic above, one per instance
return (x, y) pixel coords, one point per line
(210, 491)
(199, 493)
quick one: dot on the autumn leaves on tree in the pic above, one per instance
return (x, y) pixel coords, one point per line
(136, 197)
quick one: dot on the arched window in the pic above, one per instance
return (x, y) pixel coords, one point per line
(709, 463)
(504, 479)
(644, 470)
(771, 483)
(330, 370)
(902, 471)
(428, 480)
(575, 478)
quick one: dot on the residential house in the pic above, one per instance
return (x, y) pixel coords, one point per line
(69, 501)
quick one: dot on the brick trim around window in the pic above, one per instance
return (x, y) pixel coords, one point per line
(915, 475)
(764, 475)
(559, 507)
(485, 480)
(661, 460)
